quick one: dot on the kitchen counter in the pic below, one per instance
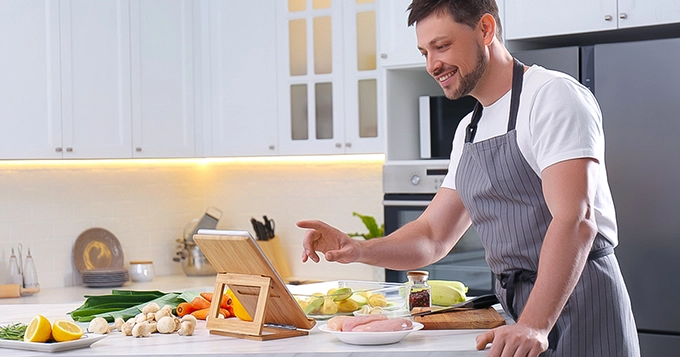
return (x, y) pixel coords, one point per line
(56, 303)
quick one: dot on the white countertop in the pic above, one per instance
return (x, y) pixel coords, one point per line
(56, 303)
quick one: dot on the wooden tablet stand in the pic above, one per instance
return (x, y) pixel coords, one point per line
(256, 329)
(246, 271)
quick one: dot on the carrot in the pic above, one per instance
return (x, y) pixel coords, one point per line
(184, 308)
(226, 300)
(200, 303)
(231, 310)
(202, 314)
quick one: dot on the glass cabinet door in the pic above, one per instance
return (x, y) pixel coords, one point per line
(316, 67)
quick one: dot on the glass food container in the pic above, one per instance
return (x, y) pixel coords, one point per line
(419, 291)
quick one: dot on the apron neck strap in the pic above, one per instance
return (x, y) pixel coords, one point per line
(517, 80)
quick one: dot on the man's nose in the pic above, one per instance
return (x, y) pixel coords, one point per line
(433, 65)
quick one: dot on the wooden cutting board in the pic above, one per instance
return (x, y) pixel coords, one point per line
(462, 319)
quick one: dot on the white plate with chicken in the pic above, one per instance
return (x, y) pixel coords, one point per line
(370, 329)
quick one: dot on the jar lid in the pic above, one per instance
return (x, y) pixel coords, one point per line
(418, 273)
(141, 262)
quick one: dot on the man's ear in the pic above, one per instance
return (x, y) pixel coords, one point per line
(487, 24)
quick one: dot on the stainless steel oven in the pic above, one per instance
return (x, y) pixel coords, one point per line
(409, 186)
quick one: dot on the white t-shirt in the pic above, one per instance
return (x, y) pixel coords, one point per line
(558, 119)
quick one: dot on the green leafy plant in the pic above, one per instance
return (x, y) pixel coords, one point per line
(374, 231)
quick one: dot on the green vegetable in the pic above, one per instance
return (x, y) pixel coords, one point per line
(125, 304)
(13, 332)
(374, 231)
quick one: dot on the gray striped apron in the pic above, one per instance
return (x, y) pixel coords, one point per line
(504, 197)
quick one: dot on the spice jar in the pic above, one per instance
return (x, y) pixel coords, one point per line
(418, 288)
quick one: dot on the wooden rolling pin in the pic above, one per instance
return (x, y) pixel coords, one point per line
(15, 291)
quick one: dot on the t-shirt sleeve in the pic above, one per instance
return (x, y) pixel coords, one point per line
(458, 141)
(565, 123)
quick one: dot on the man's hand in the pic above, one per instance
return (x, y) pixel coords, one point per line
(336, 245)
(515, 340)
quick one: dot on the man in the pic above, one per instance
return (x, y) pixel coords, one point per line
(527, 171)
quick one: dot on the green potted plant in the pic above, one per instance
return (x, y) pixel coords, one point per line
(374, 230)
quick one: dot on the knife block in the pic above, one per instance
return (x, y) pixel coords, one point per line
(273, 249)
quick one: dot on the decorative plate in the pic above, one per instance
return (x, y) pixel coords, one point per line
(371, 338)
(85, 341)
(97, 248)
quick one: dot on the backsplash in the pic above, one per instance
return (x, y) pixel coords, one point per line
(147, 203)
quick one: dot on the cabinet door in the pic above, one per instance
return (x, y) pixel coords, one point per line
(364, 132)
(95, 49)
(30, 110)
(310, 72)
(162, 52)
(634, 13)
(398, 43)
(243, 55)
(538, 18)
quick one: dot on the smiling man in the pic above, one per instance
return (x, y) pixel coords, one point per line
(527, 171)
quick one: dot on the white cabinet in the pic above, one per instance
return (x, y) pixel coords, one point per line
(242, 78)
(30, 108)
(328, 80)
(162, 77)
(539, 18)
(398, 43)
(95, 83)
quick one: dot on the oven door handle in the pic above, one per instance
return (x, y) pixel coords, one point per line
(391, 203)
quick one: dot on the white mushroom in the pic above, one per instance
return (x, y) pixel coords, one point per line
(187, 326)
(150, 307)
(142, 329)
(178, 323)
(127, 327)
(165, 311)
(98, 325)
(166, 324)
(141, 317)
(118, 323)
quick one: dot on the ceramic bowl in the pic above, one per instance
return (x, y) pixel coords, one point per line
(141, 271)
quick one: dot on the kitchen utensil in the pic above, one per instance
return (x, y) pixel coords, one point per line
(16, 290)
(269, 226)
(30, 274)
(478, 302)
(15, 276)
(97, 248)
(194, 262)
(141, 271)
(208, 221)
(20, 262)
(105, 278)
(462, 319)
(371, 338)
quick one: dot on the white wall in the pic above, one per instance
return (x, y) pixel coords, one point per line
(146, 204)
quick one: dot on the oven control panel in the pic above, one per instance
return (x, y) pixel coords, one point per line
(414, 176)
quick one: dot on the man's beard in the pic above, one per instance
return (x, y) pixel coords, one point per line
(469, 82)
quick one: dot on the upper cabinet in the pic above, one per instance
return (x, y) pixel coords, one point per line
(95, 82)
(328, 77)
(30, 105)
(539, 18)
(240, 78)
(163, 53)
(398, 44)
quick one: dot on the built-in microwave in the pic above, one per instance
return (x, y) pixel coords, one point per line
(439, 118)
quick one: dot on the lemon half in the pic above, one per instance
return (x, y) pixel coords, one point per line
(38, 330)
(64, 330)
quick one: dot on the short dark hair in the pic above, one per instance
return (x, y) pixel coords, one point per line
(467, 12)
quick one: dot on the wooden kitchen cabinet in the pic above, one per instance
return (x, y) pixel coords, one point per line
(30, 108)
(95, 82)
(328, 80)
(240, 78)
(540, 18)
(163, 53)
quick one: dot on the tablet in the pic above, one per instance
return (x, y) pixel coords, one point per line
(236, 253)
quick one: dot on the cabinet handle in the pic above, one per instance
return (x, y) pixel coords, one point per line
(623, 16)
(349, 145)
(338, 145)
(383, 55)
(138, 149)
(69, 149)
(272, 147)
(58, 149)
(607, 17)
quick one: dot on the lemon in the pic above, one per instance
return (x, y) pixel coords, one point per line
(239, 310)
(64, 330)
(38, 330)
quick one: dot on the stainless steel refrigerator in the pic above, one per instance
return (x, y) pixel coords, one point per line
(638, 87)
